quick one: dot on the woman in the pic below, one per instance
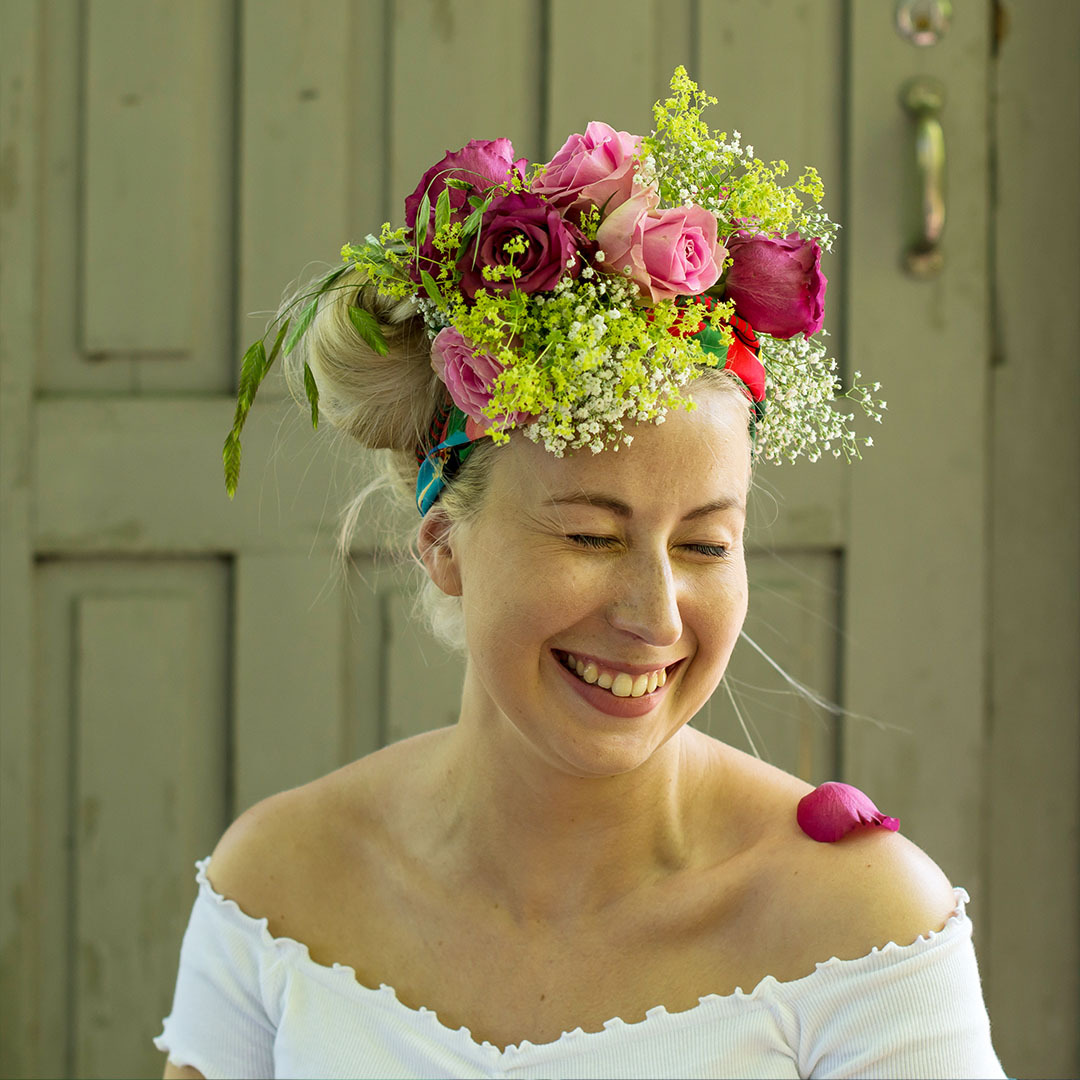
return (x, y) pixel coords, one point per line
(571, 880)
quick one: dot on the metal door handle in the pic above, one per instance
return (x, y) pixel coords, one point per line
(923, 99)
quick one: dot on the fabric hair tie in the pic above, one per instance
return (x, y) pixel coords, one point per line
(450, 446)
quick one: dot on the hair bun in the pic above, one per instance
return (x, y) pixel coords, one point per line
(384, 402)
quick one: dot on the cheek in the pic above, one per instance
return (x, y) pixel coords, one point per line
(719, 612)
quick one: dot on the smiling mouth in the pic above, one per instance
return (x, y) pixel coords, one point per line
(618, 683)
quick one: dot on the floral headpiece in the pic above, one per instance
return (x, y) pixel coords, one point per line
(569, 298)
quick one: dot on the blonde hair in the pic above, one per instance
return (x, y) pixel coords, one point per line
(387, 403)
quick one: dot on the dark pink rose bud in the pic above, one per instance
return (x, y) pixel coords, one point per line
(482, 163)
(834, 809)
(776, 283)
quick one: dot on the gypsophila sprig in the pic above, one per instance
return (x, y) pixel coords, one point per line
(802, 383)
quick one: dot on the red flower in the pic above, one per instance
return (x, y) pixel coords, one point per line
(741, 357)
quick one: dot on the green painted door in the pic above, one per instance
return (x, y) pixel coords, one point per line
(170, 657)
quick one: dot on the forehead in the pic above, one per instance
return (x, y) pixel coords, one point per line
(691, 458)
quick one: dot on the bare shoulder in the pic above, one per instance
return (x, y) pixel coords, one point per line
(870, 888)
(263, 852)
(839, 899)
(285, 854)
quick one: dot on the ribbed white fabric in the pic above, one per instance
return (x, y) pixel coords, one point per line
(251, 1005)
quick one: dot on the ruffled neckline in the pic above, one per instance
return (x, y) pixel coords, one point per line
(658, 1014)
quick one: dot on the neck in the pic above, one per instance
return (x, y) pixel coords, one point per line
(512, 824)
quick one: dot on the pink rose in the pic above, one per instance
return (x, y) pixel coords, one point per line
(482, 163)
(667, 252)
(469, 375)
(551, 246)
(594, 169)
(777, 283)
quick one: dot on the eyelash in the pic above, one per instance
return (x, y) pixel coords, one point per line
(712, 551)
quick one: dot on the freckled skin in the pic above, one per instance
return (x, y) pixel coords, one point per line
(653, 593)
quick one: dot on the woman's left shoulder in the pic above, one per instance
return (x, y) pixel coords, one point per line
(868, 888)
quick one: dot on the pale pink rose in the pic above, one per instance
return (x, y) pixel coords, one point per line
(620, 237)
(470, 377)
(667, 252)
(680, 252)
(594, 169)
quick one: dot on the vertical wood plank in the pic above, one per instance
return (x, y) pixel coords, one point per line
(365, 659)
(798, 117)
(289, 675)
(423, 679)
(20, 186)
(157, 178)
(461, 70)
(312, 159)
(1033, 804)
(616, 81)
(915, 601)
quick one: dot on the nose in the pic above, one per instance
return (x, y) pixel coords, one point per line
(645, 600)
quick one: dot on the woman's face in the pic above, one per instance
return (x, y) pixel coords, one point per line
(626, 565)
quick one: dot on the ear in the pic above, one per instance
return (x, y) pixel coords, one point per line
(437, 552)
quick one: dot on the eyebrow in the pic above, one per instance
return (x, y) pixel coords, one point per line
(623, 510)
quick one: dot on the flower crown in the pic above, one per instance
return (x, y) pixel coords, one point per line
(570, 298)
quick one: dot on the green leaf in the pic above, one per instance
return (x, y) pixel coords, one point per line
(471, 224)
(442, 210)
(230, 455)
(330, 279)
(277, 343)
(423, 216)
(252, 369)
(312, 392)
(431, 288)
(307, 316)
(367, 326)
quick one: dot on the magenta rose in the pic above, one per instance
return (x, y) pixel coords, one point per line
(551, 246)
(470, 377)
(667, 252)
(777, 283)
(482, 164)
(594, 169)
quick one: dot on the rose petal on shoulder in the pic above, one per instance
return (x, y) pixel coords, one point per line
(833, 809)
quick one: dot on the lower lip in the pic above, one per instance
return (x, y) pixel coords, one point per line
(607, 702)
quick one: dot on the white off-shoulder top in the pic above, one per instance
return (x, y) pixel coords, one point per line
(248, 1004)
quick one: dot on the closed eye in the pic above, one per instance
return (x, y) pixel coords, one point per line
(592, 541)
(712, 551)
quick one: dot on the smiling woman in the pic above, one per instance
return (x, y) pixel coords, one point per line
(571, 880)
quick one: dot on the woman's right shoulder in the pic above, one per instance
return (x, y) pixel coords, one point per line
(290, 848)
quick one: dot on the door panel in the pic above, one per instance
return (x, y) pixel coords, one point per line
(133, 751)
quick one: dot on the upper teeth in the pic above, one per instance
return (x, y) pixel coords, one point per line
(619, 683)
